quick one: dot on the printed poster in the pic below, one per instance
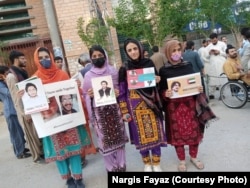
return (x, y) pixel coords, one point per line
(34, 98)
(104, 93)
(65, 109)
(183, 86)
(141, 78)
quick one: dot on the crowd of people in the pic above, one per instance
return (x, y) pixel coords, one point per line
(154, 117)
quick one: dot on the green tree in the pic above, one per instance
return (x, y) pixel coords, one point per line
(220, 12)
(132, 19)
(174, 16)
(152, 21)
(95, 32)
(223, 13)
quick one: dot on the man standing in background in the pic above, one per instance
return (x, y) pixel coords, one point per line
(245, 58)
(145, 53)
(86, 62)
(224, 39)
(16, 132)
(158, 58)
(193, 57)
(217, 56)
(18, 74)
(59, 62)
(203, 53)
(244, 41)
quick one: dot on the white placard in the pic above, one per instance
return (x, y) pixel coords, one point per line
(104, 93)
(62, 95)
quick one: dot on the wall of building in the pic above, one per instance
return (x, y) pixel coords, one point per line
(42, 30)
(116, 48)
(68, 13)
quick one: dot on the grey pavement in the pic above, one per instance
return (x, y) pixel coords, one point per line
(225, 148)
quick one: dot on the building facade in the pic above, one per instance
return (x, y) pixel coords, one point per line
(27, 24)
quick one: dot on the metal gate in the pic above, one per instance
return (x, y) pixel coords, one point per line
(28, 48)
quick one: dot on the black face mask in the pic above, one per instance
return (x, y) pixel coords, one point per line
(99, 62)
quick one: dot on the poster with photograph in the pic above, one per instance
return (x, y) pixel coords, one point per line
(183, 86)
(34, 98)
(141, 78)
(65, 109)
(104, 93)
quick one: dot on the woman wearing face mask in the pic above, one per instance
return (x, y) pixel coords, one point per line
(183, 125)
(144, 107)
(107, 119)
(65, 147)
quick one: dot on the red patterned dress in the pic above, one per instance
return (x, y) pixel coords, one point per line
(182, 125)
(181, 121)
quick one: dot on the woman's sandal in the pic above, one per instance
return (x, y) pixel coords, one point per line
(182, 166)
(197, 163)
(84, 163)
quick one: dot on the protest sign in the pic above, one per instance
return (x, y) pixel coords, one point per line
(104, 93)
(186, 85)
(141, 78)
(65, 109)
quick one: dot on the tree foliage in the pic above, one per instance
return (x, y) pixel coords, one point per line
(95, 32)
(174, 16)
(152, 21)
(224, 13)
(132, 19)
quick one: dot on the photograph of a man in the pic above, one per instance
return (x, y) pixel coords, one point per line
(175, 86)
(133, 73)
(105, 91)
(31, 90)
(133, 82)
(33, 99)
(67, 104)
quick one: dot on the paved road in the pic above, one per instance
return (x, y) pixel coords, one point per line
(225, 148)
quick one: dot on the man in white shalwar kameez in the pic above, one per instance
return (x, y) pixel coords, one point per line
(204, 56)
(217, 56)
